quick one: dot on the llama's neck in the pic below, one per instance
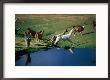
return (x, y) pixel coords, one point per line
(63, 32)
(70, 33)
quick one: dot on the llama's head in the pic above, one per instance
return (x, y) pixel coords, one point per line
(41, 31)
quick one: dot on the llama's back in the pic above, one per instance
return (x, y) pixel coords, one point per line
(67, 36)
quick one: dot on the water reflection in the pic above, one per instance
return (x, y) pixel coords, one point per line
(59, 57)
(28, 59)
(71, 51)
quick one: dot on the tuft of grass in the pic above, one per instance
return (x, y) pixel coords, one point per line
(65, 44)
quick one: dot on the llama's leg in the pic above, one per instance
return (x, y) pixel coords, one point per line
(25, 43)
(51, 41)
(57, 40)
(81, 33)
(74, 33)
(37, 37)
(39, 40)
(28, 43)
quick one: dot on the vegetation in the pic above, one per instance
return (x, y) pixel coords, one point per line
(54, 24)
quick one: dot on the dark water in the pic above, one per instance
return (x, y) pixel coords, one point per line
(60, 57)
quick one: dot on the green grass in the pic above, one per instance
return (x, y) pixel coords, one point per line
(54, 24)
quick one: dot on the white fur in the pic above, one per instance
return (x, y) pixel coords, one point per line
(57, 39)
(64, 37)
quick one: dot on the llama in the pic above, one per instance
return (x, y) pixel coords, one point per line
(63, 37)
(39, 35)
(55, 36)
(27, 38)
(63, 32)
(32, 32)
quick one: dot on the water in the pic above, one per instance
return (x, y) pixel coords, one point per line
(60, 57)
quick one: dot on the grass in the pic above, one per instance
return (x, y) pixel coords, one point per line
(54, 24)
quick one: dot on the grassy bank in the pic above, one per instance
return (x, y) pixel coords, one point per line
(54, 24)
